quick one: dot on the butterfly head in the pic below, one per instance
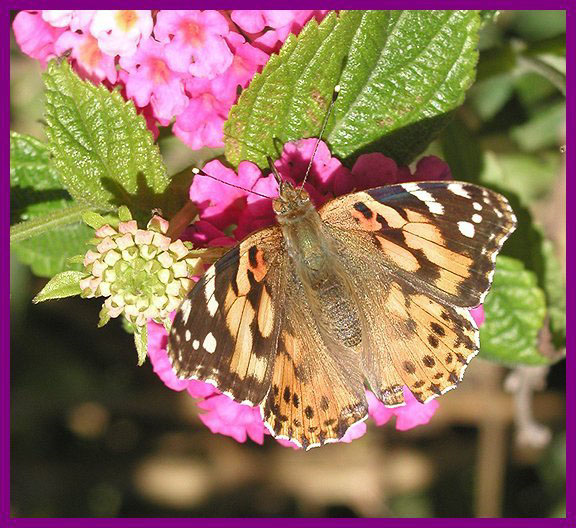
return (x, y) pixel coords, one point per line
(291, 203)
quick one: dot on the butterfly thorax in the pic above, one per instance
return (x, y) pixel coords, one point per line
(314, 257)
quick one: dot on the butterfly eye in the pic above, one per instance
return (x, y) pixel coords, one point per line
(304, 196)
(279, 207)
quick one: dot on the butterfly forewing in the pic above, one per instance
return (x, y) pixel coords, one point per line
(442, 237)
(226, 330)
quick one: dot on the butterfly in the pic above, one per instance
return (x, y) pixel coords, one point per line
(371, 291)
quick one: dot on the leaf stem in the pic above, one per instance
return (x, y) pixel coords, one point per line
(46, 223)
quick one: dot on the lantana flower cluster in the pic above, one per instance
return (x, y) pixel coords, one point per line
(178, 66)
(142, 273)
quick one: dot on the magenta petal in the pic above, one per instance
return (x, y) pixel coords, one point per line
(478, 315)
(229, 418)
(157, 341)
(377, 410)
(414, 413)
(354, 432)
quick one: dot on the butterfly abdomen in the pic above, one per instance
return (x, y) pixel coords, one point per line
(313, 253)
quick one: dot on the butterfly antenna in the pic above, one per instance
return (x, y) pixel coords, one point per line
(324, 124)
(200, 172)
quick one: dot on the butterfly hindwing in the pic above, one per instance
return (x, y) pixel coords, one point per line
(225, 332)
(317, 389)
(442, 237)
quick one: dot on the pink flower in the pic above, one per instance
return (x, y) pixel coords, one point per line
(35, 37)
(195, 41)
(247, 61)
(271, 41)
(149, 80)
(120, 31)
(478, 315)
(255, 20)
(76, 20)
(157, 342)
(408, 416)
(200, 124)
(227, 417)
(91, 62)
(58, 18)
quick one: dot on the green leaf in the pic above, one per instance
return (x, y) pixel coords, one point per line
(489, 15)
(401, 74)
(529, 176)
(35, 188)
(543, 130)
(48, 253)
(102, 149)
(65, 284)
(552, 279)
(487, 97)
(515, 310)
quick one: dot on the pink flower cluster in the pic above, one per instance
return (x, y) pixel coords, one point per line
(177, 66)
(221, 206)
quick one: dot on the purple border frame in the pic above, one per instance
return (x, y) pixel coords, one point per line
(6, 520)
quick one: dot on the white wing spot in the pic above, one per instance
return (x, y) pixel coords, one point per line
(209, 343)
(209, 291)
(195, 344)
(466, 228)
(458, 189)
(410, 187)
(186, 309)
(476, 218)
(477, 206)
(188, 335)
(424, 196)
(498, 213)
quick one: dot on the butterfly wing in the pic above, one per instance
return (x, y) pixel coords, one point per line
(442, 237)
(225, 332)
(424, 254)
(317, 388)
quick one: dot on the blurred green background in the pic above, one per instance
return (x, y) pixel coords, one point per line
(94, 435)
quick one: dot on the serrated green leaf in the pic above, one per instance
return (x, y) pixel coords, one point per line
(401, 74)
(48, 253)
(65, 284)
(515, 310)
(35, 188)
(102, 149)
(141, 342)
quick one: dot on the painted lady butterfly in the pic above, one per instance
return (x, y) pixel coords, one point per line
(372, 290)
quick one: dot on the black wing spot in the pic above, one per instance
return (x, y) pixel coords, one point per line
(409, 367)
(286, 395)
(362, 208)
(295, 400)
(309, 412)
(428, 361)
(437, 329)
(252, 252)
